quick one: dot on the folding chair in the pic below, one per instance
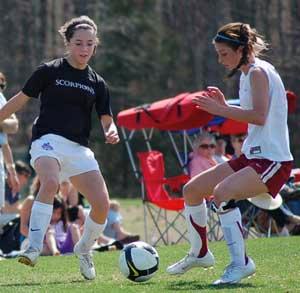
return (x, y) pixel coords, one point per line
(158, 201)
(252, 212)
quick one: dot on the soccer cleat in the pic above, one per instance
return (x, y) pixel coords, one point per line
(29, 257)
(190, 261)
(87, 268)
(234, 274)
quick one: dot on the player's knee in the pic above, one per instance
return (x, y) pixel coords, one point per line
(191, 193)
(188, 191)
(221, 192)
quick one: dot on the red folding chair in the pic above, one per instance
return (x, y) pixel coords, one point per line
(158, 200)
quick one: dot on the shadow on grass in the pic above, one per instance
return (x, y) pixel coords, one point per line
(31, 284)
(196, 285)
(142, 284)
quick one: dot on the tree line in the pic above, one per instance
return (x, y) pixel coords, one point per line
(150, 49)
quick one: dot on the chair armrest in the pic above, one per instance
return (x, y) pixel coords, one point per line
(176, 182)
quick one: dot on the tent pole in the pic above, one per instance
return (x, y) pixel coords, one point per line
(147, 138)
(145, 210)
(129, 151)
(177, 152)
(185, 149)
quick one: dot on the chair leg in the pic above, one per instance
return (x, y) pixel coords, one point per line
(145, 223)
(214, 231)
(156, 215)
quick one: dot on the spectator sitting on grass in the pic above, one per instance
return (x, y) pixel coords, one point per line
(61, 235)
(25, 216)
(114, 234)
(71, 197)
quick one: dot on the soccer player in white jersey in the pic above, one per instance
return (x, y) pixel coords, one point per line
(266, 160)
(68, 89)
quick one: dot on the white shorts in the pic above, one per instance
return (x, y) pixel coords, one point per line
(73, 158)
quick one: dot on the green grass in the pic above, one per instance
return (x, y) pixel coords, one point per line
(129, 202)
(277, 260)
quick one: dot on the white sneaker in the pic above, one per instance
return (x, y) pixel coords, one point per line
(234, 274)
(190, 261)
(86, 264)
(29, 257)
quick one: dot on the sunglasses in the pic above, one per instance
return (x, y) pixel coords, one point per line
(207, 146)
(240, 140)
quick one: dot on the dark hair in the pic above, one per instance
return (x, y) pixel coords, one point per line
(239, 34)
(72, 212)
(2, 81)
(22, 168)
(60, 203)
(82, 22)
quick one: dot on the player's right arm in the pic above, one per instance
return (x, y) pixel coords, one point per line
(13, 105)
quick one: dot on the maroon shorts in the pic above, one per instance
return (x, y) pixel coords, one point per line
(273, 174)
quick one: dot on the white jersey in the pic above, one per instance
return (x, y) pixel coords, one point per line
(271, 140)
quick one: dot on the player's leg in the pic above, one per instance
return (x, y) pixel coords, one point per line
(47, 170)
(239, 185)
(92, 186)
(194, 194)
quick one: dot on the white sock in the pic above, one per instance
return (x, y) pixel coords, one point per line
(91, 232)
(196, 217)
(40, 217)
(231, 223)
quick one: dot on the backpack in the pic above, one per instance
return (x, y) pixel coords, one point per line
(10, 237)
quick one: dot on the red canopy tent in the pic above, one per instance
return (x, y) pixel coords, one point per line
(176, 113)
(180, 113)
(229, 126)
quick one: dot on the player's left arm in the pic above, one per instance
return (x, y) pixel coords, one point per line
(110, 129)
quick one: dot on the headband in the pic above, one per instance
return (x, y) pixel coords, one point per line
(219, 37)
(84, 25)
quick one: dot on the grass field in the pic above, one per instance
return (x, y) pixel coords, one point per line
(277, 260)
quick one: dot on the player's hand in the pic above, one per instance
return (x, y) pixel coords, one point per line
(211, 101)
(112, 137)
(206, 103)
(215, 93)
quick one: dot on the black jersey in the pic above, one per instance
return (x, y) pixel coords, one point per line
(67, 96)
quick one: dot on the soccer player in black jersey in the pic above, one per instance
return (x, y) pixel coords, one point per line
(68, 89)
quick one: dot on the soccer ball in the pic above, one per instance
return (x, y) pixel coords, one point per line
(138, 261)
